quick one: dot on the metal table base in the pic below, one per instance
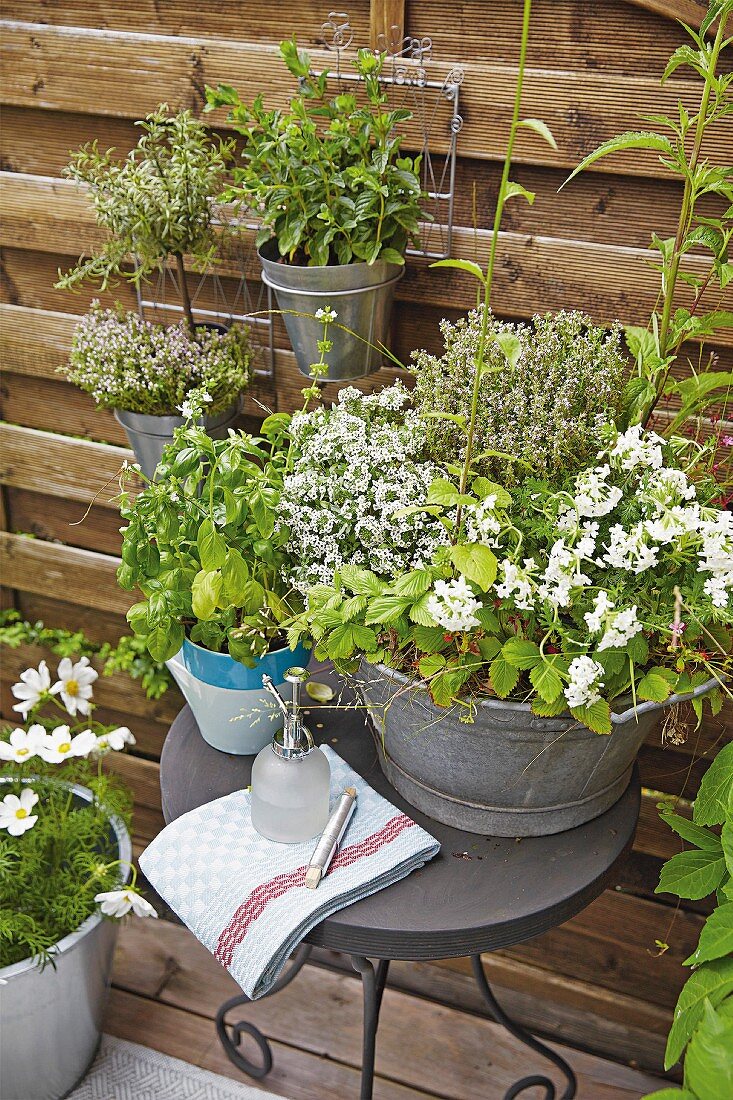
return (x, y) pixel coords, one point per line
(373, 980)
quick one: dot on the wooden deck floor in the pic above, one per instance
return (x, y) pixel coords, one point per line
(167, 988)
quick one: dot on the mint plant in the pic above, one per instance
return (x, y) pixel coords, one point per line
(156, 204)
(326, 176)
(679, 141)
(703, 1018)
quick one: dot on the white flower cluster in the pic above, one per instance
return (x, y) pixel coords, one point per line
(482, 523)
(357, 467)
(619, 627)
(584, 682)
(630, 479)
(453, 605)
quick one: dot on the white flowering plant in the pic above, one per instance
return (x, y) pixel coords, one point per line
(59, 861)
(616, 582)
(126, 362)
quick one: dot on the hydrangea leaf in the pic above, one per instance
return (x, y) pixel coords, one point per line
(709, 1058)
(476, 562)
(714, 981)
(701, 838)
(716, 790)
(716, 938)
(693, 874)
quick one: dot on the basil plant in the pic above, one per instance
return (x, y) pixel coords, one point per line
(202, 544)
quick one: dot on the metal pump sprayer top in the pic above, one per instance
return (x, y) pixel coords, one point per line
(294, 740)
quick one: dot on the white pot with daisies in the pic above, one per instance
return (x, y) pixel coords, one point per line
(66, 873)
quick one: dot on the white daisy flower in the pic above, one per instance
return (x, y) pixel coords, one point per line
(75, 684)
(59, 745)
(15, 812)
(34, 683)
(22, 744)
(115, 739)
(117, 903)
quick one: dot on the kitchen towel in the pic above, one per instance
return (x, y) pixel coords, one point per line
(245, 897)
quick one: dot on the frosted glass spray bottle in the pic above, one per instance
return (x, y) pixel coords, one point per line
(291, 778)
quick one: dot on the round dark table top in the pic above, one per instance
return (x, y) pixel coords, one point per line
(478, 894)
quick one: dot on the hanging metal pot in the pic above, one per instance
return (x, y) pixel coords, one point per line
(361, 295)
(148, 435)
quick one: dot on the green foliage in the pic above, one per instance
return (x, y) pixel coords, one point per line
(326, 176)
(703, 1018)
(546, 387)
(156, 203)
(201, 544)
(705, 223)
(130, 655)
(50, 875)
(125, 362)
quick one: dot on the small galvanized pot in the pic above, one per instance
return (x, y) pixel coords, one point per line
(361, 294)
(51, 1019)
(148, 435)
(508, 773)
(233, 711)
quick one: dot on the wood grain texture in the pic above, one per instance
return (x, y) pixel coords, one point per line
(127, 75)
(51, 569)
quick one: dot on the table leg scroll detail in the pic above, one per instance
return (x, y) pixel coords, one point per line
(231, 1042)
(535, 1080)
(373, 982)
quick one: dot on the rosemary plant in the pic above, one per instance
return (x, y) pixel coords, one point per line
(156, 204)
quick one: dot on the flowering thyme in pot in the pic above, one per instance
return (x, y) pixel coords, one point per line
(59, 861)
(542, 405)
(128, 363)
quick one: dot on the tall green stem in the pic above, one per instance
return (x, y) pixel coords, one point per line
(686, 211)
(501, 198)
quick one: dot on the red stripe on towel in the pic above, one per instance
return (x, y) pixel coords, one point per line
(252, 908)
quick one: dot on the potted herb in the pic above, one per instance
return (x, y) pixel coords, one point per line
(570, 575)
(157, 205)
(338, 203)
(201, 544)
(146, 371)
(65, 862)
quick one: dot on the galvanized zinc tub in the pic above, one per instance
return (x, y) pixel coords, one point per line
(508, 773)
(51, 1019)
(361, 294)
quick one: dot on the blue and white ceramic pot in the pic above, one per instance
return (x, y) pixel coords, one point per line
(233, 711)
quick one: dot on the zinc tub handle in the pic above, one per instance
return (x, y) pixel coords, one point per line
(642, 708)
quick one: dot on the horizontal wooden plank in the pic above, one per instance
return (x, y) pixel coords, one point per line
(559, 28)
(51, 569)
(534, 274)
(465, 1068)
(125, 74)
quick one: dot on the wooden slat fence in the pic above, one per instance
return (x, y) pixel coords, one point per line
(83, 69)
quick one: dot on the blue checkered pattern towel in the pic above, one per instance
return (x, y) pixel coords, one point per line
(245, 897)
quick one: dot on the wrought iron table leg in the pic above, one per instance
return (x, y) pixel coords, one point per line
(535, 1080)
(373, 982)
(243, 1027)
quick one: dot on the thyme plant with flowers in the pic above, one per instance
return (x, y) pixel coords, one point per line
(59, 861)
(125, 362)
